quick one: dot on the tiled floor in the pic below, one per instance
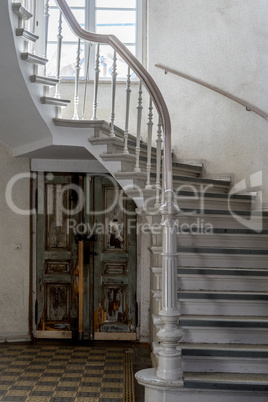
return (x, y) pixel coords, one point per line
(60, 372)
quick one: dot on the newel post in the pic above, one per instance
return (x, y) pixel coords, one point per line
(169, 363)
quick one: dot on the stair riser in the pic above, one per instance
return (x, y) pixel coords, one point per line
(199, 187)
(220, 307)
(207, 203)
(219, 260)
(252, 336)
(222, 260)
(248, 241)
(223, 283)
(206, 222)
(211, 364)
(137, 183)
(196, 395)
(223, 241)
(223, 222)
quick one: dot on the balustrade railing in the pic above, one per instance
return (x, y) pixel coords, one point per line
(169, 359)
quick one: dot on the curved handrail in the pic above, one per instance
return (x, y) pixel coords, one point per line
(140, 71)
(248, 106)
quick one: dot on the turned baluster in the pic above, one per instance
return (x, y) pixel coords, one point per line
(86, 82)
(158, 163)
(114, 74)
(77, 73)
(138, 141)
(96, 83)
(45, 37)
(149, 144)
(33, 23)
(128, 92)
(59, 46)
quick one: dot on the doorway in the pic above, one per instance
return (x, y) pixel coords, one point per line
(86, 258)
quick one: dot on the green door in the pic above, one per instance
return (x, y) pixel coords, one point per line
(73, 208)
(56, 275)
(114, 262)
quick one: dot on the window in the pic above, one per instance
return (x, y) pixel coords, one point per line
(117, 17)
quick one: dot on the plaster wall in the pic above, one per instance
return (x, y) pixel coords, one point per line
(224, 43)
(14, 250)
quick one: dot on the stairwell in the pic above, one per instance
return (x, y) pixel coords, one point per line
(222, 259)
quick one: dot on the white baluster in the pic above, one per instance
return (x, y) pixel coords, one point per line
(77, 73)
(149, 144)
(158, 163)
(114, 74)
(46, 21)
(59, 45)
(128, 92)
(138, 141)
(33, 23)
(96, 83)
(86, 82)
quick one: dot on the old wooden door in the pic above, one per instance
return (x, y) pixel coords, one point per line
(57, 298)
(114, 262)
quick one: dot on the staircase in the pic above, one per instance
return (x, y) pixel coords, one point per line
(222, 276)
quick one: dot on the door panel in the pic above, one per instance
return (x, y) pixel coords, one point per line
(114, 262)
(57, 300)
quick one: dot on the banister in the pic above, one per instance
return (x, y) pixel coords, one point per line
(140, 71)
(247, 105)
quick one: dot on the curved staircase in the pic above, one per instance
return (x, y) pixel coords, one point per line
(222, 265)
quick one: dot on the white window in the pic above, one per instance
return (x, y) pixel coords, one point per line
(118, 17)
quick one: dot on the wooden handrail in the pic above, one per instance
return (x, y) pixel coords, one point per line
(140, 71)
(247, 105)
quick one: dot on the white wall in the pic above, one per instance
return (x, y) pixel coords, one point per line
(224, 43)
(14, 251)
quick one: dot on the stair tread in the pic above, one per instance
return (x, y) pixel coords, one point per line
(21, 11)
(33, 58)
(49, 100)
(42, 79)
(26, 35)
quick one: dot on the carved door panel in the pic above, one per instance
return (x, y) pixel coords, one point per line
(57, 298)
(114, 262)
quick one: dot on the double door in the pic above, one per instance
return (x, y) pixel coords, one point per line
(81, 212)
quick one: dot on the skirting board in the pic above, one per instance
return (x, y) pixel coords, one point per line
(15, 337)
(54, 334)
(115, 336)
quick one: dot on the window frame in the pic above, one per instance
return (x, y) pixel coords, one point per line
(90, 25)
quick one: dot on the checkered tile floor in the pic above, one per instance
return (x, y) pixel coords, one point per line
(59, 374)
